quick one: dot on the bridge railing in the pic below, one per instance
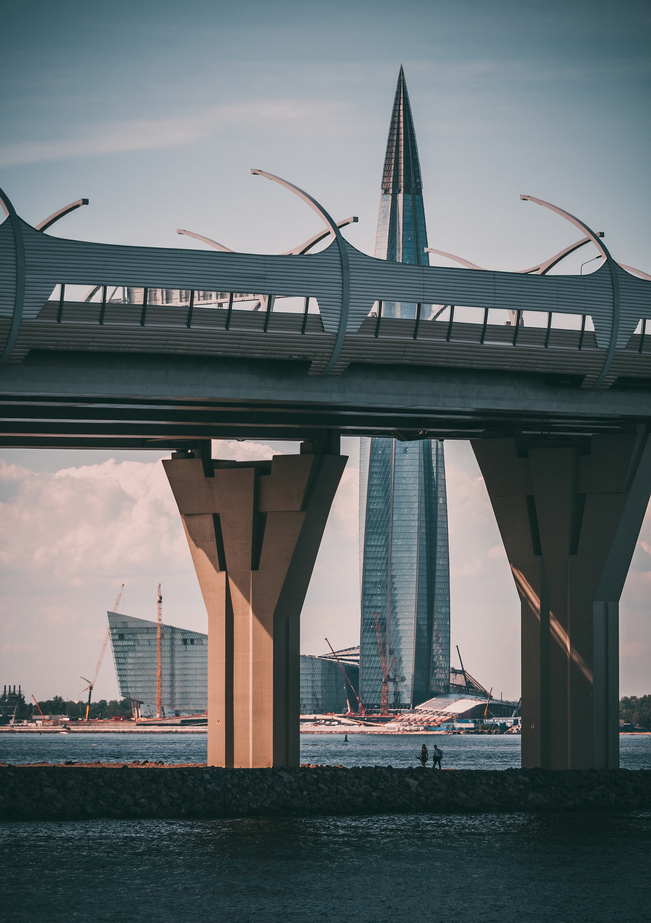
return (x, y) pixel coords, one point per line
(129, 306)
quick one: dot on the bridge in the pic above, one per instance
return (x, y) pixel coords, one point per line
(548, 375)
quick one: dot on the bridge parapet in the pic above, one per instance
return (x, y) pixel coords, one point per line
(345, 283)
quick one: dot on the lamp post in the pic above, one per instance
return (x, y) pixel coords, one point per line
(599, 256)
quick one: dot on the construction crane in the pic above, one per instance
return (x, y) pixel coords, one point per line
(384, 661)
(463, 669)
(488, 702)
(159, 659)
(91, 682)
(362, 710)
(39, 707)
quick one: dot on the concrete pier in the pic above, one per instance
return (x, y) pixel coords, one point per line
(254, 530)
(569, 511)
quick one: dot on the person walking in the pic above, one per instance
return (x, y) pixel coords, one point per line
(423, 755)
(436, 757)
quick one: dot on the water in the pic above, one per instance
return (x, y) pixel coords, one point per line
(483, 868)
(459, 751)
(511, 868)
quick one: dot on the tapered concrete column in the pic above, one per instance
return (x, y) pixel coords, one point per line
(254, 530)
(569, 515)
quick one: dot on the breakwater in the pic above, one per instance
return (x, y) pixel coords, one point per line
(135, 791)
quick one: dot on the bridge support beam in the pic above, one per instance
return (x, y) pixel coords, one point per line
(254, 530)
(569, 513)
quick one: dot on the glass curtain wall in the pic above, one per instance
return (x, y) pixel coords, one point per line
(404, 552)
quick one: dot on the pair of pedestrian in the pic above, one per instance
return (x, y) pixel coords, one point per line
(436, 756)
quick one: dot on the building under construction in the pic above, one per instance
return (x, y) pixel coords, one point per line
(164, 671)
(172, 670)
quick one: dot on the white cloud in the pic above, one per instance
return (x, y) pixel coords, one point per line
(59, 615)
(18, 647)
(97, 519)
(497, 551)
(147, 134)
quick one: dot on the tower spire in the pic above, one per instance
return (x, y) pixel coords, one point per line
(401, 165)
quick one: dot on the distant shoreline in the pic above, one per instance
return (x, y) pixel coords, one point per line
(201, 729)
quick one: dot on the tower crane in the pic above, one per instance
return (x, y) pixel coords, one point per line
(159, 659)
(91, 682)
(384, 661)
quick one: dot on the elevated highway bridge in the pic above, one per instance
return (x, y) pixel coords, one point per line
(558, 416)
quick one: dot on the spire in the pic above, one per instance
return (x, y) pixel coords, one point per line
(401, 166)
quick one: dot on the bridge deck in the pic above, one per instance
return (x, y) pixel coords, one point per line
(216, 332)
(74, 381)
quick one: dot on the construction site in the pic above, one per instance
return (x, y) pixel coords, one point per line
(162, 670)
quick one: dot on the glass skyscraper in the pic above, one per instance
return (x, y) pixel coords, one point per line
(184, 662)
(403, 507)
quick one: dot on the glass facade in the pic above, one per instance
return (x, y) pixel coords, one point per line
(184, 661)
(323, 687)
(403, 504)
(184, 658)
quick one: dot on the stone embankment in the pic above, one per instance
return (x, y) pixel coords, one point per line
(73, 792)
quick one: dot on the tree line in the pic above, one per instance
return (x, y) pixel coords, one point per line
(632, 709)
(14, 703)
(635, 709)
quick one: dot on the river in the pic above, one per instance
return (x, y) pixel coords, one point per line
(489, 868)
(460, 751)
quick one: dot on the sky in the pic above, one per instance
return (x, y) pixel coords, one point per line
(156, 112)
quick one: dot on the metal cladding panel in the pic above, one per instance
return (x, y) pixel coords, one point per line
(380, 280)
(7, 270)
(52, 260)
(635, 304)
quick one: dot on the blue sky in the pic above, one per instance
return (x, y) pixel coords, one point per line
(156, 111)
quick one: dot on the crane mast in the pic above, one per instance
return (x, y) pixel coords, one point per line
(159, 660)
(91, 682)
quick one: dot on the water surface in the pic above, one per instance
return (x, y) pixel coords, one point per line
(474, 868)
(472, 751)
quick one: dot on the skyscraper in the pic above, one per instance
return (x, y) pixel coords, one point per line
(403, 508)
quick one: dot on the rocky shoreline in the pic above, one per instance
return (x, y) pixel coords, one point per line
(74, 792)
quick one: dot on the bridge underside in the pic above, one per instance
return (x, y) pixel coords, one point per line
(568, 471)
(86, 400)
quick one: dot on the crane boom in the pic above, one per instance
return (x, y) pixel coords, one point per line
(463, 669)
(38, 706)
(362, 710)
(107, 633)
(488, 702)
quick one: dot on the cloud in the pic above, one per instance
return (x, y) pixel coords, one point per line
(633, 650)
(497, 551)
(59, 615)
(98, 519)
(82, 523)
(147, 134)
(17, 647)
(467, 569)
